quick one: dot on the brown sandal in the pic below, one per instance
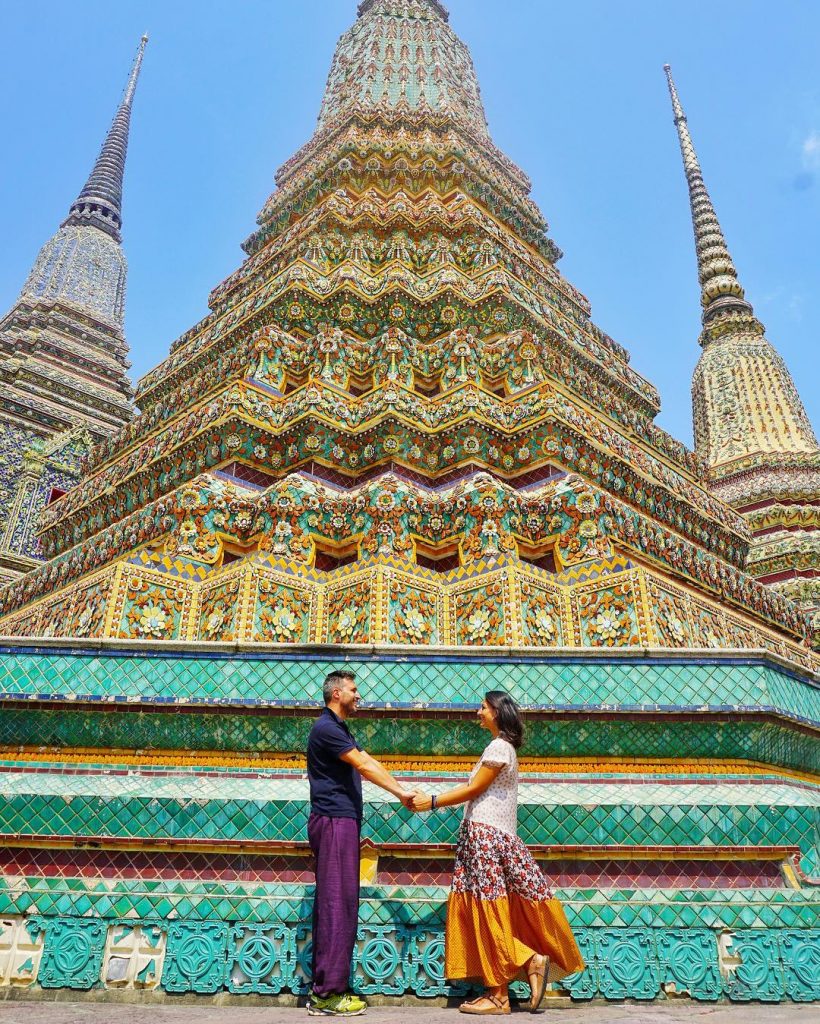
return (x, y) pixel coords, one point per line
(494, 1006)
(537, 977)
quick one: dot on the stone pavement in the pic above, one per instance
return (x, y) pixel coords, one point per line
(678, 1012)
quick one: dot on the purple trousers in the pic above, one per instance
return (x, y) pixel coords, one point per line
(335, 845)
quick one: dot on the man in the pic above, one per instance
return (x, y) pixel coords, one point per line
(336, 765)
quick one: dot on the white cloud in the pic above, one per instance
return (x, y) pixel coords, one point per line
(811, 151)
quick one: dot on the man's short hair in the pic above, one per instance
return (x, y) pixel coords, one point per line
(333, 681)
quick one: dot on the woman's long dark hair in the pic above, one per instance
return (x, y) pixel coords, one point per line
(508, 716)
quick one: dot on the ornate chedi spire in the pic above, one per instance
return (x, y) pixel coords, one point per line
(749, 421)
(720, 289)
(100, 200)
(67, 326)
(63, 356)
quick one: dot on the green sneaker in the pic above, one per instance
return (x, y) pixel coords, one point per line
(336, 1006)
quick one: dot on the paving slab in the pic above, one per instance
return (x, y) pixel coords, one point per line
(678, 1012)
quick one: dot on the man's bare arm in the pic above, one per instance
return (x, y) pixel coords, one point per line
(372, 770)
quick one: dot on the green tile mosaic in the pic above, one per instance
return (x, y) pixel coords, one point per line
(572, 812)
(706, 684)
(570, 736)
(400, 951)
(254, 938)
(72, 953)
(689, 962)
(760, 973)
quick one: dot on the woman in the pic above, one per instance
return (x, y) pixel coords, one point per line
(502, 920)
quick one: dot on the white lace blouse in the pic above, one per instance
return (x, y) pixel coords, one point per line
(498, 804)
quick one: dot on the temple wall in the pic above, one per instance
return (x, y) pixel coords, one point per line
(154, 806)
(500, 602)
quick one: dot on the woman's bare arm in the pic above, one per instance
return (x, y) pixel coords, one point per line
(461, 794)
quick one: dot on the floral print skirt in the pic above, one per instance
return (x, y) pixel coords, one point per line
(501, 911)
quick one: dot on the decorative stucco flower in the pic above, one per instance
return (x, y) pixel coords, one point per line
(675, 626)
(85, 616)
(153, 621)
(346, 625)
(415, 625)
(607, 624)
(588, 529)
(544, 626)
(214, 622)
(478, 624)
(284, 623)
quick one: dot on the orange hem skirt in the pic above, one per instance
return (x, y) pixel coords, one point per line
(491, 940)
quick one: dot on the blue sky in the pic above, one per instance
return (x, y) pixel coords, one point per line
(575, 94)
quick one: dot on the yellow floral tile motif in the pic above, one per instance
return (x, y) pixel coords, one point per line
(151, 611)
(413, 615)
(219, 612)
(541, 615)
(608, 616)
(282, 614)
(479, 616)
(348, 614)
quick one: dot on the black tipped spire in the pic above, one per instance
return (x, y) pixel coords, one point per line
(99, 204)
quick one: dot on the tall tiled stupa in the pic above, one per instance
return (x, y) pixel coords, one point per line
(399, 442)
(751, 429)
(63, 356)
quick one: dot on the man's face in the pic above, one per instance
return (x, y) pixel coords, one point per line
(348, 696)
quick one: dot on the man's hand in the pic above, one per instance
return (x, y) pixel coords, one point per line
(369, 768)
(422, 802)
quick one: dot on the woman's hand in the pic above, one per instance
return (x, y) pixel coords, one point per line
(421, 802)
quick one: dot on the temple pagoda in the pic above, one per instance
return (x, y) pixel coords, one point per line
(63, 356)
(750, 425)
(399, 442)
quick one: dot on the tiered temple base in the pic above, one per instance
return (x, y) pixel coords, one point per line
(154, 804)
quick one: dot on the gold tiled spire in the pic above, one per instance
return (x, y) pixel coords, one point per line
(750, 425)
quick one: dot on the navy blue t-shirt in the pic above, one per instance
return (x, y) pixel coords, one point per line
(335, 785)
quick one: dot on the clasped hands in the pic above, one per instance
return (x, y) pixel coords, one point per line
(413, 800)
